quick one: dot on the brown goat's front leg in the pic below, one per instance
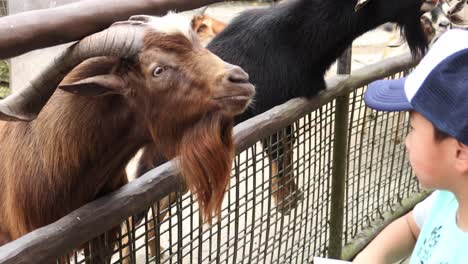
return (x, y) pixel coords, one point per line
(159, 213)
(152, 158)
(126, 241)
(100, 249)
(284, 191)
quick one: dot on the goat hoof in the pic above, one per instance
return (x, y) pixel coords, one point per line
(291, 202)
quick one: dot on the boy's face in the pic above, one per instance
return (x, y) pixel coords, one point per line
(431, 160)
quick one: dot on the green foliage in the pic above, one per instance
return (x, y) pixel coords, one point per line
(4, 79)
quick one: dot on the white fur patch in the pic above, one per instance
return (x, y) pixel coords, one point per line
(172, 23)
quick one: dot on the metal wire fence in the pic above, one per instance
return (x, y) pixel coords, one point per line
(254, 226)
(266, 219)
(378, 174)
(278, 206)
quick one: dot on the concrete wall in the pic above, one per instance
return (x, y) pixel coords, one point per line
(25, 67)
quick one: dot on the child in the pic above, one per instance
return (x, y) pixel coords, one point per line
(436, 94)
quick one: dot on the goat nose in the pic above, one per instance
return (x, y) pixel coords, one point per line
(236, 74)
(444, 23)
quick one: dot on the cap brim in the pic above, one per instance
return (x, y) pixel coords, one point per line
(387, 95)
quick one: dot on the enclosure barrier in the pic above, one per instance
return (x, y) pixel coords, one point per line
(254, 225)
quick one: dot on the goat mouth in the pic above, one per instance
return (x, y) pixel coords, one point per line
(429, 5)
(233, 104)
(238, 91)
(233, 98)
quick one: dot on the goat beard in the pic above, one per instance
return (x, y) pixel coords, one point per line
(206, 152)
(412, 30)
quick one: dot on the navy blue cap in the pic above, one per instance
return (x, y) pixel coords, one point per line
(437, 88)
(387, 95)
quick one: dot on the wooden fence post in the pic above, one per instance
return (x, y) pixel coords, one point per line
(340, 151)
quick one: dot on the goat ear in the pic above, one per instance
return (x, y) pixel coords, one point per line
(457, 7)
(360, 4)
(96, 85)
(457, 19)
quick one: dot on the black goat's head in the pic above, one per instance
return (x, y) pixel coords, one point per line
(407, 15)
(436, 22)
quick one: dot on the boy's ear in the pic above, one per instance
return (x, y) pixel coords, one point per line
(462, 158)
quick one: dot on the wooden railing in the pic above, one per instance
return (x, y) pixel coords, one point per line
(48, 243)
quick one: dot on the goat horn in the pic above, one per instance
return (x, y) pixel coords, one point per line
(457, 7)
(123, 39)
(360, 4)
(141, 18)
(203, 10)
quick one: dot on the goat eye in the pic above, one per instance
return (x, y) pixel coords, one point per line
(202, 28)
(158, 71)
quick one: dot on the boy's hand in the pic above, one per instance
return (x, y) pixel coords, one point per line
(394, 243)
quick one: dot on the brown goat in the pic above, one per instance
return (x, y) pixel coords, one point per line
(284, 190)
(207, 27)
(169, 91)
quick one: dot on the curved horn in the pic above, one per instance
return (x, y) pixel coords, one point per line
(360, 4)
(122, 39)
(203, 10)
(457, 7)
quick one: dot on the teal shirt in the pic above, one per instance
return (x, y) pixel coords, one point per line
(440, 240)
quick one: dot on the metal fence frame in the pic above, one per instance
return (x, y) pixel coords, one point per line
(46, 244)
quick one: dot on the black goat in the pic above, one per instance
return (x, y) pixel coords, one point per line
(286, 49)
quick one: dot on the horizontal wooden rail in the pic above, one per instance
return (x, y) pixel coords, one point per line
(258, 127)
(47, 243)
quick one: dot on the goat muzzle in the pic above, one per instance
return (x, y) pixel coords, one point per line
(236, 91)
